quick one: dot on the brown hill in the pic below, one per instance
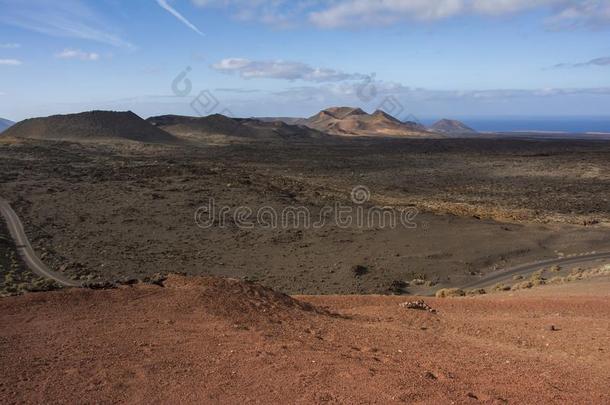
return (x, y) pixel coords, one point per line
(452, 127)
(349, 121)
(217, 125)
(89, 126)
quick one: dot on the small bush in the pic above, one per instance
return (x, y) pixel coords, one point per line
(538, 275)
(576, 275)
(557, 280)
(501, 287)
(522, 286)
(478, 291)
(538, 281)
(398, 287)
(360, 270)
(40, 285)
(450, 292)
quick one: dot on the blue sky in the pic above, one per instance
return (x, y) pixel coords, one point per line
(422, 58)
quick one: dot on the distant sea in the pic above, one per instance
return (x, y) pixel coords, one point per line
(535, 124)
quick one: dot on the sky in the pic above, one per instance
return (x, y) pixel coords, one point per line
(412, 58)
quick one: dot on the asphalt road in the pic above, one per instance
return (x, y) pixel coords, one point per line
(524, 269)
(26, 251)
(33, 262)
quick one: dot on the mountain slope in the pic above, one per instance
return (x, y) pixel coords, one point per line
(349, 121)
(92, 125)
(220, 127)
(452, 127)
(4, 124)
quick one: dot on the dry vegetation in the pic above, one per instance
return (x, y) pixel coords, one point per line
(15, 278)
(123, 211)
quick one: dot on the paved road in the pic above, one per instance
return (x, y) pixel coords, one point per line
(26, 251)
(503, 275)
(33, 262)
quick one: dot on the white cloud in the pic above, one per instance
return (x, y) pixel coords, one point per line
(77, 54)
(382, 90)
(65, 18)
(10, 62)
(165, 5)
(500, 7)
(10, 45)
(581, 14)
(559, 14)
(358, 12)
(280, 69)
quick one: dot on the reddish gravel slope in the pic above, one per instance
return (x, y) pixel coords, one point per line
(208, 340)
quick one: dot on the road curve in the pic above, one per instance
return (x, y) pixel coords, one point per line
(527, 268)
(26, 251)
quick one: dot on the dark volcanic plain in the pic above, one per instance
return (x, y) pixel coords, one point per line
(113, 210)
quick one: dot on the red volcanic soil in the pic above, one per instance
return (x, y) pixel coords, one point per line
(207, 340)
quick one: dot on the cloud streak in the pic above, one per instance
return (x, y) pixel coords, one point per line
(10, 62)
(604, 61)
(77, 54)
(279, 69)
(351, 91)
(165, 5)
(558, 14)
(66, 18)
(10, 45)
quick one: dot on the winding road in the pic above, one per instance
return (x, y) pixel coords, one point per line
(524, 269)
(37, 266)
(26, 251)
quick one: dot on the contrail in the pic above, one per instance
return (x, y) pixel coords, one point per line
(175, 13)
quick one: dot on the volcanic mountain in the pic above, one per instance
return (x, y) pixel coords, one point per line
(222, 128)
(349, 121)
(452, 127)
(88, 126)
(4, 124)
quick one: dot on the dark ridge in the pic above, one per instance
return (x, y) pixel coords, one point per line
(92, 125)
(5, 124)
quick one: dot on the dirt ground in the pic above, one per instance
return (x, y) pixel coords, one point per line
(222, 341)
(118, 212)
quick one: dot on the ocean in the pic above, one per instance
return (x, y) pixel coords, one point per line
(535, 124)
